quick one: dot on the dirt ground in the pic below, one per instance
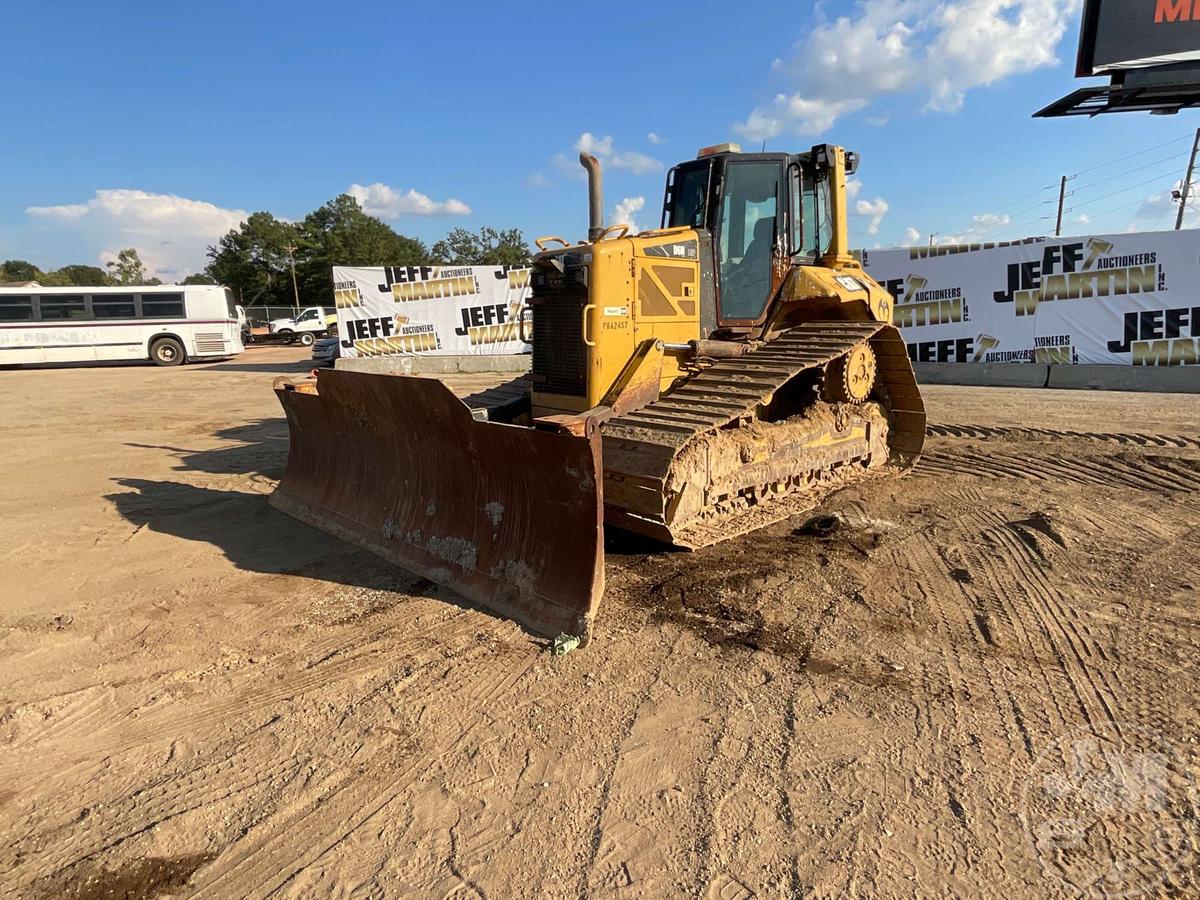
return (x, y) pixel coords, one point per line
(199, 695)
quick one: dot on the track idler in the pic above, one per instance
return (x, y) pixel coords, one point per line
(509, 517)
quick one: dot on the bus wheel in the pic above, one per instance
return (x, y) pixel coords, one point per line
(167, 352)
(307, 339)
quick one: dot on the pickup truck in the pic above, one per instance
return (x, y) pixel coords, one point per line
(306, 327)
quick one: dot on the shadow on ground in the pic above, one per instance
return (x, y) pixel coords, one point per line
(299, 367)
(261, 449)
(255, 537)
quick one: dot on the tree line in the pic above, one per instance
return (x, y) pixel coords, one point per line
(127, 270)
(258, 258)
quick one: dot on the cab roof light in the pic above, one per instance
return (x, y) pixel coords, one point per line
(718, 148)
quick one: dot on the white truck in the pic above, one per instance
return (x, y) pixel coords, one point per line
(306, 327)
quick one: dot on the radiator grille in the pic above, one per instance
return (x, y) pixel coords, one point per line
(210, 342)
(559, 357)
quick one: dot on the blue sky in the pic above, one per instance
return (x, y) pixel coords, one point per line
(156, 125)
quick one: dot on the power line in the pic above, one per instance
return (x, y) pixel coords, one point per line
(978, 230)
(1132, 155)
(1122, 190)
(1095, 184)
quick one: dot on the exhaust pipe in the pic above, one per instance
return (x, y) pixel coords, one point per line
(595, 195)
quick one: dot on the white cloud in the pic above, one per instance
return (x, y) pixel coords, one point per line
(630, 161)
(388, 203)
(170, 233)
(569, 167)
(874, 210)
(981, 228)
(68, 211)
(1159, 210)
(911, 235)
(937, 48)
(626, 212)
(655, 139)
(537, 179)
(1082, 219)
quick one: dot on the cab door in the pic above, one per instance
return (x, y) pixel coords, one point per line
(749, 223)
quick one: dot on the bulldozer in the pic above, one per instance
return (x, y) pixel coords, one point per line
(689, 383)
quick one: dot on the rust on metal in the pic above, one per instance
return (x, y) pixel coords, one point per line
(509, 517)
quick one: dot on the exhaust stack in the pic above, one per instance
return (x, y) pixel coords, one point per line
(595, 195)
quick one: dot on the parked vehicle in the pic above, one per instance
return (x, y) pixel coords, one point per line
(169, 324)
(311, 323)
(326, 351)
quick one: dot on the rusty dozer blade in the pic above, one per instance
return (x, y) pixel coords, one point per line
(509, 517)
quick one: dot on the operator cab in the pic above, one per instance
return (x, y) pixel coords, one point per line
(763, 212)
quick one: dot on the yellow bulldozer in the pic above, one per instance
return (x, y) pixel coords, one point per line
(690, 383)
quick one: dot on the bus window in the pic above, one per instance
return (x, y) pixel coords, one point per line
(61, 306)
(16, 309)
(162, 306)
(113, 306)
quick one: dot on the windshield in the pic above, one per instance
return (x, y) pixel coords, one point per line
(231, 304)
(747, 237)
(688, 195)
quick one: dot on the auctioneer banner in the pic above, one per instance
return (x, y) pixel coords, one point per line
(1123, 299)
(439, 310)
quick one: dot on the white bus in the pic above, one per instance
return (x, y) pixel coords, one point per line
(169, 324)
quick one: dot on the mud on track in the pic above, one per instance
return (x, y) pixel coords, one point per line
(199, 696)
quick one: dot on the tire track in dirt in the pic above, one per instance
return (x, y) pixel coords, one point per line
(298, 837)
(745, 810)
(973, 718)
(1182, 475)
(139, 807)
(617, 839)
(1019, 573)
(38, 858)
(336, 659)
(985, 432)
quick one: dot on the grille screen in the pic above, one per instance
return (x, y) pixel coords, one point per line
(210, 342)
(559, 356)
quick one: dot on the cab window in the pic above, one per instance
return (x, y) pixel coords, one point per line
(807, 237)
(748, 229)
(689, 189)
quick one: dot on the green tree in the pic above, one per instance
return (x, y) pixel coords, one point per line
(19, 270)
(82, 276)
(199, 278)
(128, 270)
(490, 247)
(341, 234)
(253, 259)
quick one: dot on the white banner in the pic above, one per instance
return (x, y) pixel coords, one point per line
(1122, 299)
(446, 310)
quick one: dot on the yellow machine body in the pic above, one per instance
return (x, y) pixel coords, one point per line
(690, 383)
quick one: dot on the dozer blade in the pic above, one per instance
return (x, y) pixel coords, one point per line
(507, 516)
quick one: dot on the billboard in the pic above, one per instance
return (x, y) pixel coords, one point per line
(1132, 34)
(1120, 299)
(437, 310)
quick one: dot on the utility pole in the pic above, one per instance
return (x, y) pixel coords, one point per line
(1187, 182)
(1062, 194)
(291, 248)
(932, 235)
